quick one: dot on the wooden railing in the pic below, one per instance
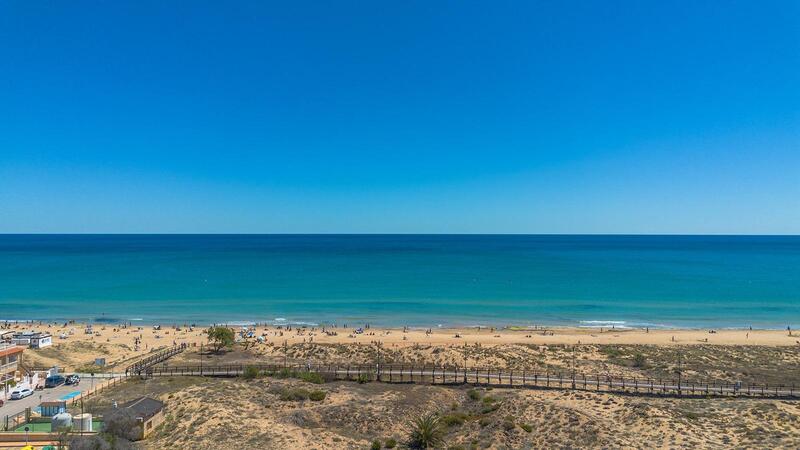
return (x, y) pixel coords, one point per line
(407, 373)
(100, 387)
(156, 357)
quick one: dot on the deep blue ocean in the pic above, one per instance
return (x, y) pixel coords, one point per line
(416, 280)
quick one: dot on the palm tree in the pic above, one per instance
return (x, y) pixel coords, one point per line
(426, 432)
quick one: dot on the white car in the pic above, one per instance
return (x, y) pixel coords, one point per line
(17, 394)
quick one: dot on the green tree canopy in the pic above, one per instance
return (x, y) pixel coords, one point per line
(220, 337)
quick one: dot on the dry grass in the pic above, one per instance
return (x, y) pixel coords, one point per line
(232, 413)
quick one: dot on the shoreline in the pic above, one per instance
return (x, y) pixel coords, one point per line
(620, 325)
(148, 336)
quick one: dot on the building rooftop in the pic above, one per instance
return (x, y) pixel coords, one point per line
(31, 334)
(144, 407)
(9, 349)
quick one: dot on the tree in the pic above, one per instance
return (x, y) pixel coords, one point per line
(220, 337)
(121, 423)
(426, 432)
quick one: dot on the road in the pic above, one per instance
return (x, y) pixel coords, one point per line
(12, 407)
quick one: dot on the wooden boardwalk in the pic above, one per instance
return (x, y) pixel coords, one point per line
(395, 373)
(154, 358)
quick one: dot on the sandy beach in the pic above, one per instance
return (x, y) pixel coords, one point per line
(121, 344)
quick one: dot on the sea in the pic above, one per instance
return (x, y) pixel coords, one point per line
(404, 280)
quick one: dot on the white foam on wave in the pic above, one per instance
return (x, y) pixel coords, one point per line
(241, 324)
(603, 324)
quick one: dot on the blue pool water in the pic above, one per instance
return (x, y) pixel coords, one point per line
(417, 280)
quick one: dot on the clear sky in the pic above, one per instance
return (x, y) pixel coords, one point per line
(404, 116)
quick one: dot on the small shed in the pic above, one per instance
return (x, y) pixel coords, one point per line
(51, 408)
(148, 411)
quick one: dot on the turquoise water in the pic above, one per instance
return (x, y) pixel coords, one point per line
(417, 280)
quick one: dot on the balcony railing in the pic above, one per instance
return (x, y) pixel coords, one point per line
(7, 368)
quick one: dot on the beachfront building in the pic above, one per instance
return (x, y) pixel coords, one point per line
(10, 358)
(148, 411)
(6, 335)
(32, 339)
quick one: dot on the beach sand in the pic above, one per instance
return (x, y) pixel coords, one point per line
(236, 413)
(229, 413)
(117, 344)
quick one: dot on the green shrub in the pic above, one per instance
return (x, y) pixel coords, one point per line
(508, 425)
(376, 445)
(250, 373)
(474, 394)
(612, 352)
(296, 394)
(639, 360)
(317, 395)
(283, 373)
(490, 409)
(390, 443)
(363, 378)
(426, 432)
(454, 419)
(488, 400)
(484, 421)
(526, 427)
(311, 377)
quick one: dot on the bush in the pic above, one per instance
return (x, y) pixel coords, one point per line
(390, 443)
(95, 442)
(454, 419)
(296, 394)
(474, 394)
(250, 373)
(508, 425)
(490, 409)
(484, 421)
(317, 395)
(639, 360)
(122, 423)
(526, 427)
(376, 445)
(283, 373)
(311, 377)
(426, 432)
(363, 378)
(488, 400)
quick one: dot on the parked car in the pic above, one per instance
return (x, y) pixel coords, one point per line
(17, 394)
(54, 380)
(73, 380)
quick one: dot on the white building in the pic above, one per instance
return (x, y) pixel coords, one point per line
(32, 339)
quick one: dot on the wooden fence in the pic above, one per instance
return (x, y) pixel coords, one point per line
(400, 373)
(100, 387)
(13, 421)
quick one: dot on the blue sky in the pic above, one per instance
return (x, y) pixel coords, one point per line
(419, 116)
